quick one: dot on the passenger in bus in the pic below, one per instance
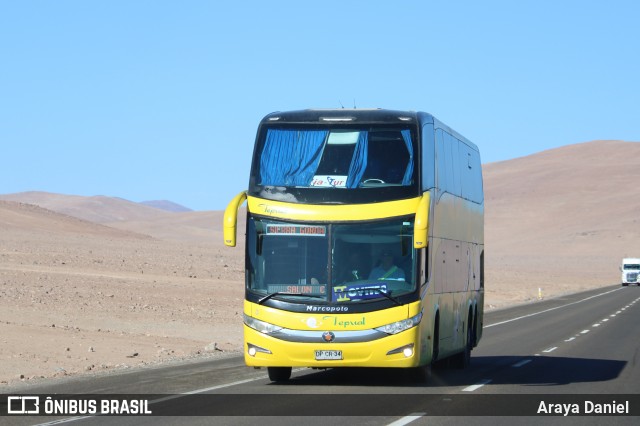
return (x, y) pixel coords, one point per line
(387, 270)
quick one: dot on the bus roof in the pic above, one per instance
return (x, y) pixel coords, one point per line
(347, 116)
(360, 115)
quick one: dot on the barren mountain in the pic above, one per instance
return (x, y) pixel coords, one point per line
(31, 219)
(99, 208)
(563, 217)
(166, 205)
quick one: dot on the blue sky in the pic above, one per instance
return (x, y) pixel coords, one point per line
(161, 100)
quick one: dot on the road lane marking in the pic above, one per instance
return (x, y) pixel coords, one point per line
(521, 363)
(477, 386)
(570, 339)
(550, 309)
(596, 325)
(407, 419)
(61, 421)
(584, 331)
(550, 349)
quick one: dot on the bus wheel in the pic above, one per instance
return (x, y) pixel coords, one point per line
(436, 341)
(279, 374)
(463, 359)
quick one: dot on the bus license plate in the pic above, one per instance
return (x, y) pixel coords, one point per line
(322, 355)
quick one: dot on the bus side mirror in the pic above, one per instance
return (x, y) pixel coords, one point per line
(230, 221)
(421, 227)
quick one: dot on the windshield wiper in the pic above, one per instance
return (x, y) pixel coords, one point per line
(387, 295)
(284, 293)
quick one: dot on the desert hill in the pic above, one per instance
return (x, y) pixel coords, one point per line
(563, 216)
(99, 208)
(166, 205)
(202, 227)
(16, 218)
(158, 221)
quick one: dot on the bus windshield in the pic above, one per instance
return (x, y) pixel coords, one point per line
(337, 263)
(292, 160)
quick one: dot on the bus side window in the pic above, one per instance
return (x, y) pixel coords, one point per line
(471, 174)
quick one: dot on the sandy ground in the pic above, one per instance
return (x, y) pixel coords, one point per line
(85, 299)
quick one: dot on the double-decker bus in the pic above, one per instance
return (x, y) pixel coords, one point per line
(364, 242)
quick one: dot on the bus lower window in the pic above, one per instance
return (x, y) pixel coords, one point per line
(367, 259)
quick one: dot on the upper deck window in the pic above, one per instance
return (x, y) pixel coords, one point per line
(336, 158)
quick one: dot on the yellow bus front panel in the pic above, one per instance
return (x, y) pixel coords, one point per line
(274, 352)
(354, 339)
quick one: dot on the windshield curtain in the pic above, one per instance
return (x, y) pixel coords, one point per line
(359, 161)
(291, 157)
(336, 158)
(341, 263)
(406, 135)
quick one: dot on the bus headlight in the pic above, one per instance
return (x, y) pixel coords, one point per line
(261, 326)
(400, 326)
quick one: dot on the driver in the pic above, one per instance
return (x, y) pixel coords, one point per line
(387, 270)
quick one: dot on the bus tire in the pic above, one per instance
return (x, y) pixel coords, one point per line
(474, 330)
(436, 341)
(463, 359)
(279, 374)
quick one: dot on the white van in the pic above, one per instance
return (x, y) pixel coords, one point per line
(630, 271)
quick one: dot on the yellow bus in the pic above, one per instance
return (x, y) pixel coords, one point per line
(364, 242)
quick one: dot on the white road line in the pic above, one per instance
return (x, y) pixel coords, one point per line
(605, 320)
(551, 309)
(521, 363)
(61, 421)
(570, 339)
(595, 325)
(584, 331)
(550, 349)
(407, 419)
(476, 387)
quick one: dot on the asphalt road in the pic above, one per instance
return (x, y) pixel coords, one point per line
(580, 350)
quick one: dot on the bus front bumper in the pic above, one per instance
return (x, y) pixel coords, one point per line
(398, 350)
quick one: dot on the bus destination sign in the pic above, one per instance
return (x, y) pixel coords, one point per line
(304, 230)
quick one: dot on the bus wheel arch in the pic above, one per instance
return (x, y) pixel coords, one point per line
(435, 347)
